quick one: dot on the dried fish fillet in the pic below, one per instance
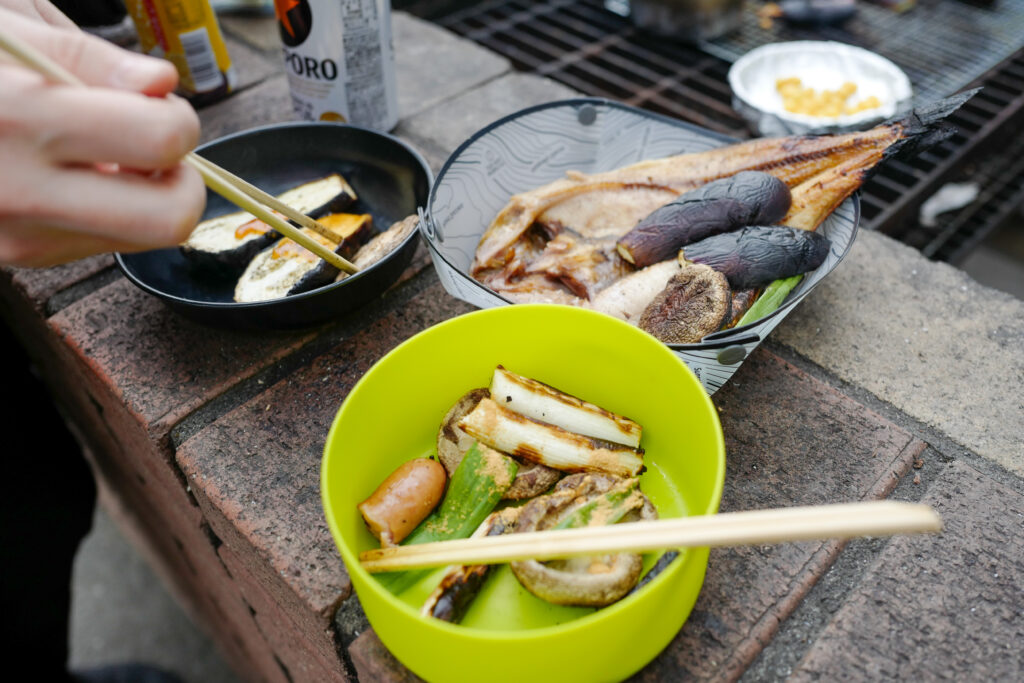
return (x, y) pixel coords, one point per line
(793, 160)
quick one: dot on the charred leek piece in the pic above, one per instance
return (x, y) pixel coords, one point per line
(547, 404)
(476, 486)
(536, 441)
(461, 583)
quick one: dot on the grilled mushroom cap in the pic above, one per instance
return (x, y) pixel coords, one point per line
(531, 479)
(694, 303)
(584, 581)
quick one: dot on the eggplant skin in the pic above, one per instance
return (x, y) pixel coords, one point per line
(226, 264)
(695, 303)
(747, 198)
(758, 255)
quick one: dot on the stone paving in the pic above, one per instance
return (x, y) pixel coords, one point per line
(896, 378)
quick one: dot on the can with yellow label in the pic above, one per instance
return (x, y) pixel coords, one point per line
(339, 60)
(186, 33)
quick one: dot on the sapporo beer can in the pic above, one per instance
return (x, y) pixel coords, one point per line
(186, 33)
(339, 60)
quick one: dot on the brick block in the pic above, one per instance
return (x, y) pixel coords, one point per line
(375, 664)
(790, 440)
(257, 468)
(298, 653)
(930, 341)
(948, 606)
(439, 130)
(263, 104)
(39, 284)
(433, 65)
(158, 366)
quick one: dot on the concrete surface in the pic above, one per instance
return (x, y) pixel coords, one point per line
(121, 612)
(932, 342)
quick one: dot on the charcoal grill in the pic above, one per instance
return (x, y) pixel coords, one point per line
(943, 46)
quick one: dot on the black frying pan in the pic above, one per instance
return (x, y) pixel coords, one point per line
(390, 178)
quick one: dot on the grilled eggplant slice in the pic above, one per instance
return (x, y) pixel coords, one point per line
(226, 244)
(695, 303)
(757, 255)
(288, 268)
(747, 198)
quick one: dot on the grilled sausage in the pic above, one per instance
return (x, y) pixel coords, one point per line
(403, 500)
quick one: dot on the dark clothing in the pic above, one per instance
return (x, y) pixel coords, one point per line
(47, 501)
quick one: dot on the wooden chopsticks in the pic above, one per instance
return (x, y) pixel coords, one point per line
(846, 520)
(237, 191)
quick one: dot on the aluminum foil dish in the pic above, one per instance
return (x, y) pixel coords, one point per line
(820, 65)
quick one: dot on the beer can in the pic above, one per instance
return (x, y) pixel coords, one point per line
(339, 60)
(186, 33)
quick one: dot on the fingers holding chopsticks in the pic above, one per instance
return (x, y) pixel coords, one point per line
(92, 207)
(91, 168)
(74, 125)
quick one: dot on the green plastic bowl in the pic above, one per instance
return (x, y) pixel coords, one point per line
(393, 414)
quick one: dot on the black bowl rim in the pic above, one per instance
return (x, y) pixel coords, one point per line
(288, 300)
(734, 336)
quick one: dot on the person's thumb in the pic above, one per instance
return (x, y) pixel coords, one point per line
(93, 60)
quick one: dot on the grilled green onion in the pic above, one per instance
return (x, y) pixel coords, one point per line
(536, 441)
(547, 404)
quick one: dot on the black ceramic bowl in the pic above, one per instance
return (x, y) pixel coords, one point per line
(390, 178)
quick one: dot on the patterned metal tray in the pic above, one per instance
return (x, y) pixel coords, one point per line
(538, 145)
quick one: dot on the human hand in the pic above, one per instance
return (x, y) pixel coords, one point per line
(91, 169)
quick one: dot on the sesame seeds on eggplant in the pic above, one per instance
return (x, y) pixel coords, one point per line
(223, 246)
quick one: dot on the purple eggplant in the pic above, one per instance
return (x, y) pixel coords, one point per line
(758, 255)
(747, 198)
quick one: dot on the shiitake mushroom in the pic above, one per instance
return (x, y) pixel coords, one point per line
(582, 581)
(694, 303)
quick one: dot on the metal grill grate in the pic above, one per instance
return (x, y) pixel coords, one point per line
(941, 45)
(599, 53)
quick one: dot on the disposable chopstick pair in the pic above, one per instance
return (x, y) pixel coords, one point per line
(237, 191)
(846, 520)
